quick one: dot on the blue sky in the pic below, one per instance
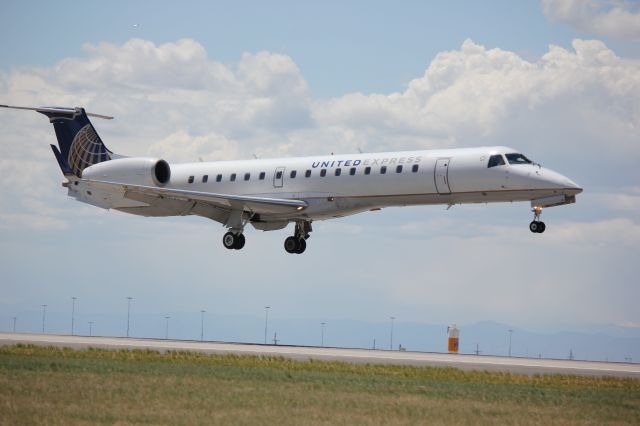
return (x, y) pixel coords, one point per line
(559, 80)
(340, 47)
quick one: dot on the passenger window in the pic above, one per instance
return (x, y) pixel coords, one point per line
(323, 172)
(383, 170)
(352, 171)
(233, 177)
(399, 169)
(262, 175)
(279, 174)
(205, 178)
(414, 168)
(307, 173)
(219, 178)
(338, 171)
(247, 176)
(367, 170)
(293, 174)
(191, 178)
(495, 160)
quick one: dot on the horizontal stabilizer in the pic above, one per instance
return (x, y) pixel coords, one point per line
(55, 110)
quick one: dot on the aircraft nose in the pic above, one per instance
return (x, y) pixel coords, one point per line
(558, 180)
(571, 184)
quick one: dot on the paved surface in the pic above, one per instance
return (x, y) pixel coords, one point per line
(358, 356)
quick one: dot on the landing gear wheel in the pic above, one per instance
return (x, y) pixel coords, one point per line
(297, 242)
(534, 227)
(233, 241)
(537, 227)
(229, 240)
(291, 245)
(302, 246)
(239, 242)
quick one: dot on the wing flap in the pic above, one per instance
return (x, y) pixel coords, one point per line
(260, 205)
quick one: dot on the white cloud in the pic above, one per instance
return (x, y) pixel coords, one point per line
(140, 65)
(478, 96)
(183, 147)
(620, 201)
(614, 18)
(617, 232)
(21, 220)
(577, 272)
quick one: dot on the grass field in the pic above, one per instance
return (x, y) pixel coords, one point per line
(64, 386)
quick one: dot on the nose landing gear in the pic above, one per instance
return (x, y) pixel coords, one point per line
(297, 243)
(537, 226)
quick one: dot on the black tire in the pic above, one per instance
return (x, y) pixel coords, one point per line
(291, 245)
(541, 227)
(302, 246)
(534, 227)
(229, 240)
(239, 241)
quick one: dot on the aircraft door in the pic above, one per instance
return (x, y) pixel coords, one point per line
(278, 177)
(441, 176)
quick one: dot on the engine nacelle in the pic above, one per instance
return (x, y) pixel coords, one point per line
(136, 171)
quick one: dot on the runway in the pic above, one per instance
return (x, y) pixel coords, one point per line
(515, 365)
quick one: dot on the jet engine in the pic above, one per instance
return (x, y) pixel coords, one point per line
(135, 171)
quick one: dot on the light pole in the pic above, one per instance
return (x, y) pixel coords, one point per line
(202, 324)
(90, 327)
(14, 324)
(44, 310)
(129, 299)
(73, 312)
(510, 334)
(391, 338)
(266, 322)
(166, 331)
(322, 334)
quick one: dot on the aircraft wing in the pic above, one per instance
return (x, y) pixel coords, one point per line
(259, 205)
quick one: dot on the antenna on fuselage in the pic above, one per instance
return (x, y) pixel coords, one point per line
(255, 156)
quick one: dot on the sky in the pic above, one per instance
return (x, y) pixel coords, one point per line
(557, 79)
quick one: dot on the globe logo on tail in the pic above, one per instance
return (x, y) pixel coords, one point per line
(86, 150)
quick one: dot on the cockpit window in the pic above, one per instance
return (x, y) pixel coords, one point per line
(495, 160)
(517, 159)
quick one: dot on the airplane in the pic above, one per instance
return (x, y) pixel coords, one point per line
(271, 193)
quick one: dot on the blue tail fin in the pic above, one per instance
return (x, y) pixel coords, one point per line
(79, 145)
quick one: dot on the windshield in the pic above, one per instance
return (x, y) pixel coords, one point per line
(517, 159)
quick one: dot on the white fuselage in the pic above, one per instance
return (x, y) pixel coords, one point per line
(339, 185)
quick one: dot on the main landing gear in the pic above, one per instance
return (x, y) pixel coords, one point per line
(537, 226)
(298, 242)
(233, 240)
